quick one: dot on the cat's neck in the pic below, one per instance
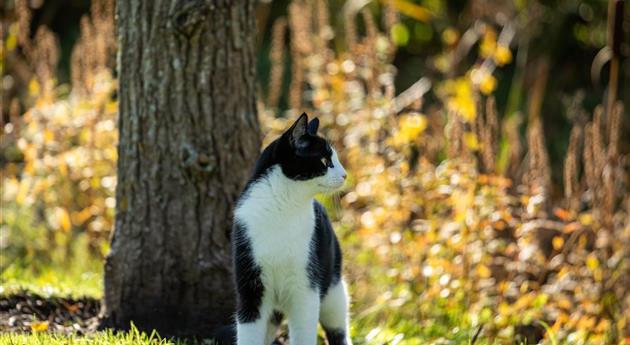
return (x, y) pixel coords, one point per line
(276, 193)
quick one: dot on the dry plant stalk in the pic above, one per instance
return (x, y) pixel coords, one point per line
(350, 30)
(595, 160)
(24, 16)
(95, 50)
(615, 129)
(300, 25)
(510, 129)
(15, 118)
(368, 47)
(390, 15)
(434, 146)
(599, 151)
(601, 163)
(570, 172)
(370, 27)
(277, 61)
(589, 161)
(323, 29)
(41, 53)
(487, 132)
(46, 56)
(538, 176)
(454, 133)
(610, 171)
(615, 37)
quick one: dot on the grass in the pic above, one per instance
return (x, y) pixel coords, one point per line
(77, 274)
(136, 337)
(140, 338)
(79, 280)
(84, 278)
(100, 338)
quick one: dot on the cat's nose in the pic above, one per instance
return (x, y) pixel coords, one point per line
(343, 177)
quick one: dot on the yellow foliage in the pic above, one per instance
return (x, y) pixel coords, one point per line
(450, 36)
(471, 141)
(450, 233)
(502, 55)
(460, 99)
(488, 84)
(557, 242)
(592, 262)
(422, 227)
(12, 38)
(586, 219)
(39, 326)
(410, 127)
(488, 42)
(63, 219)
(68, 148)
(483, 271)
(412, 10)
(33, 87)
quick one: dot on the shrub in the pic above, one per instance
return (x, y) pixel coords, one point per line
(452, 222)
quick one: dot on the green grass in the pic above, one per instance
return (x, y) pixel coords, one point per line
(139, 338)
(443, 324)
(75, 274)
(134, 337)
(85, 279)
(54, 281)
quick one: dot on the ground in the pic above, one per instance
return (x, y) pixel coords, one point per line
(30, 318)
(25, 312)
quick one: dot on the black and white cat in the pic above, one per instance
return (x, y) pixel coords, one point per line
(287, 259)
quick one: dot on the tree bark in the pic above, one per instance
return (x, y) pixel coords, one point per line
(189, 136)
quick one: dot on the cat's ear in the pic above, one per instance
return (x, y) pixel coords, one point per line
(298, 129)
(313, 125)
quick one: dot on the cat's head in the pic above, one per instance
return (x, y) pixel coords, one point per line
(306, 157)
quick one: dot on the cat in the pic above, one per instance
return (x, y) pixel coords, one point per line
(286, 256)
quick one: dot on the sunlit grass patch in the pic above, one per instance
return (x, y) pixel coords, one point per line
(52, 282)
(134, 337)
(83, 276)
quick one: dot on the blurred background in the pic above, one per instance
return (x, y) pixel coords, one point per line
(487, 145)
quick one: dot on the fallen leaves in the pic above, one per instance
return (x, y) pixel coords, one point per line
(39, 326)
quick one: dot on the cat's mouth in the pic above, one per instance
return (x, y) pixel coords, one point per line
(335, 186)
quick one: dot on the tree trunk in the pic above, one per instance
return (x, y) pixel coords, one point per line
(189, 136)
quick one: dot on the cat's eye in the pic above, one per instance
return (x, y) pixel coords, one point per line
(326, 162)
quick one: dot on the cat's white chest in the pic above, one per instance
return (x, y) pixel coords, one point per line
(280, 239)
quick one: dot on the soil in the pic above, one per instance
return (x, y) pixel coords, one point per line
(23, 311)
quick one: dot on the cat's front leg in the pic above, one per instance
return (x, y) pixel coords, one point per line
(252, 317)
(251, 333)
(252, 322)
(303, 318)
